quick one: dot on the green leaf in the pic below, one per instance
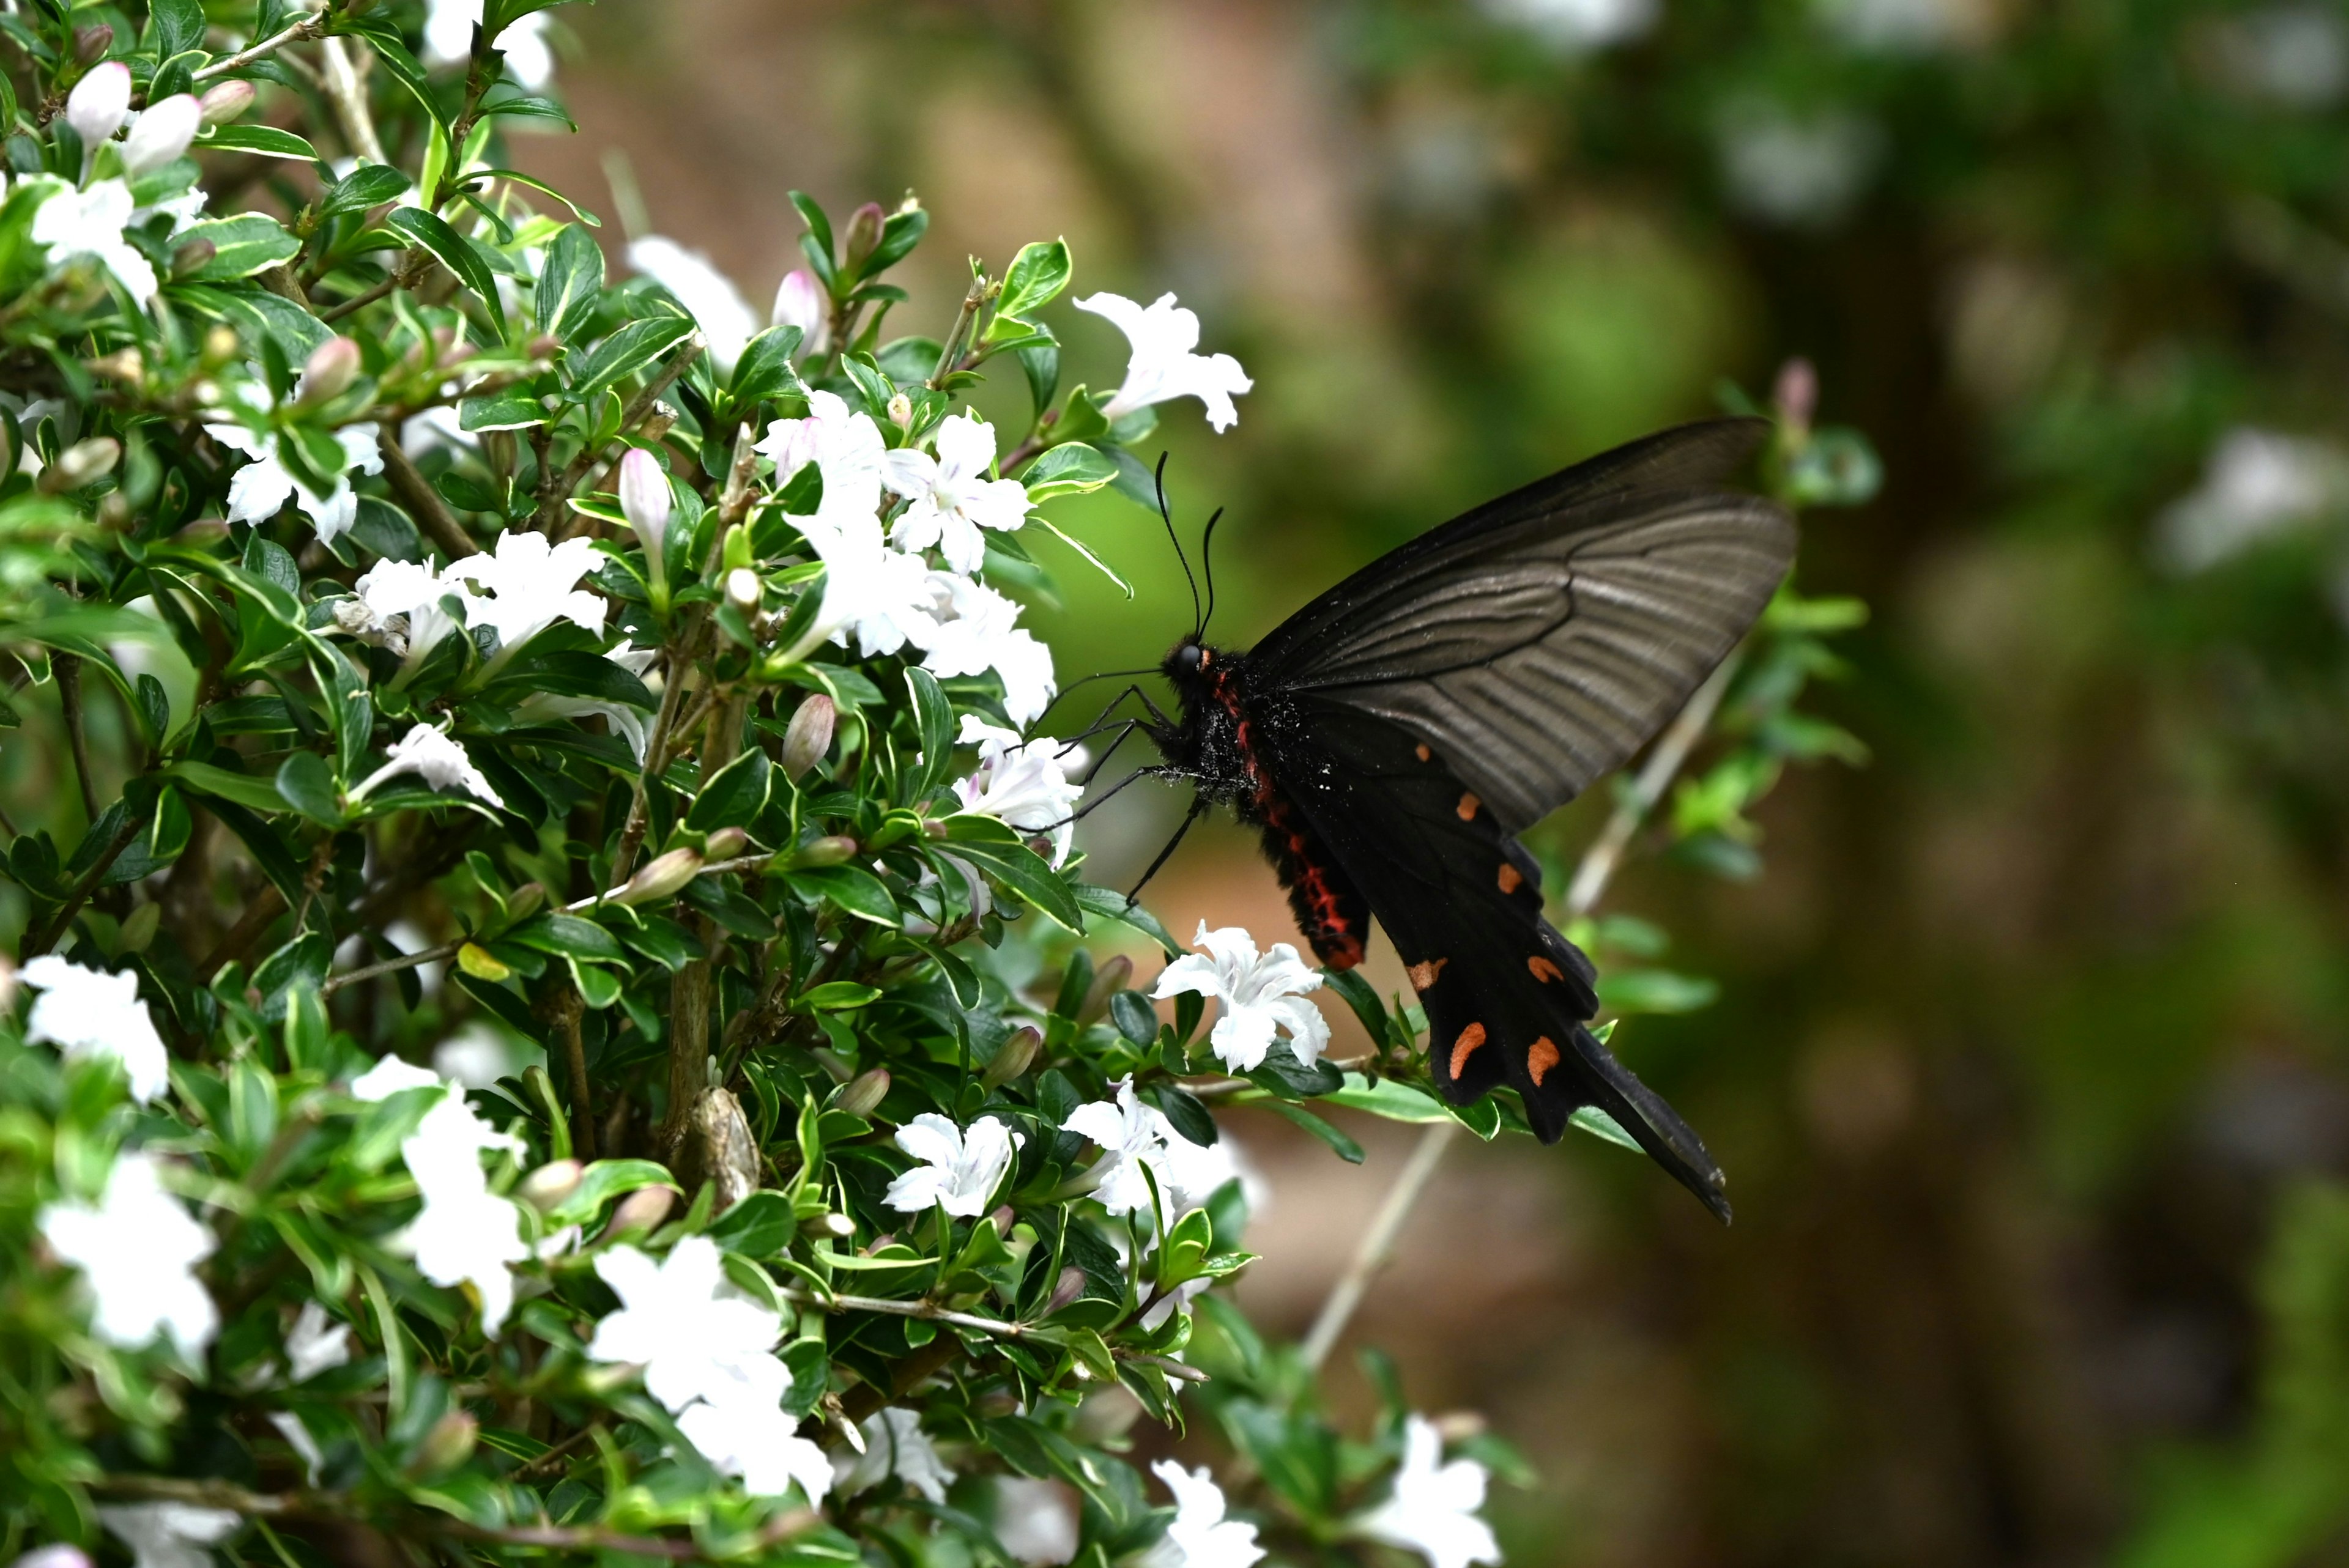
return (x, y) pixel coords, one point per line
(604, 1180)
(262, 141)
(1599, 1124)
(998, 850)
(765, 370)
(1346, 1148)
(242, 246)
(1388, 1099)
(734, 796)
(1289, 1078)
(515, 409)
(456, 253)
(837, 997)
(760, 1226)
(1134, 1019)
(173, 25)
(244, 789)
(1072, 467)
(1110, 904)
(853, 888)
(934, 726)
(570, 282)
(369, 185)
(568, 936)
(1655, 990)
(309, 789)
(627, 351)
(1035, 278)
(819, 230)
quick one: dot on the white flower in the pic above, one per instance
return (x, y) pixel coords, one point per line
(98, 103)
(391, 1076)
(1258, 997)
(627, 721)
(895, 1445)
(73, 223)
(846, 448)
(137, 1248)
(297, 1438)
(645, 500)
(959, 1169)
(162, 134)
(89, 1013)
(1176, 1300)
(801, 302)
(1025, 787)
(1131, 1136)
(1432, 1509)
(708, 295)
(976, 634)
(428, 750)
(316, 1344)
(391, 590)
(1805, 173)
(756, 1441)
(2258, 484)
(1199, 1535)
(952, 497)
(694, 1335)
(262, 488)
(464, 1233)
(449, 41)
(1190, 1173)
(1036, 1520)
(530, 584)
(169, 1534)
(881, 595)
(1163, 365)
(1571, 24)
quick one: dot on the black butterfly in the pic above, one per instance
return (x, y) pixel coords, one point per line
(1390, 737)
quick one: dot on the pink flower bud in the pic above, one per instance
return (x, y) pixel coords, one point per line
(545, 1188)
(1116, 975)
(799, 303)
(644, 497)
(865, 231)
(91, 43)
(225, 102)
(1066, 1289)
(809, 737)
(329, 371)
(98, 102)
(1012, 1057)
(830, 851)
(641, 1210)
(84, 462)
(191, 256)
(662, 878)
(1796, 395)
(864, 1094)
(163, 133)
(725, 844)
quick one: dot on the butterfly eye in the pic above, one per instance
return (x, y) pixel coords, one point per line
(1192, 656)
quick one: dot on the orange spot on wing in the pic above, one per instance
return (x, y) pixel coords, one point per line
(1470, 1038)
(1509, 879)
(1423, 976)
(1543, 968)
(1425, 754)
(1467, 808)
(1540, 1056)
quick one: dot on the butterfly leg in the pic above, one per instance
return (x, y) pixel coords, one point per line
(1198, 809)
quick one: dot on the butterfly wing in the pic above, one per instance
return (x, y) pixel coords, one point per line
(1507, 998)
(1539, 640)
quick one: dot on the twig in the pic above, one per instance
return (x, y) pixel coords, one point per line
(951, 351)
(349, 99)
(563, 1010)
(267, 906)
(307, 28)
(554, 490)
(683, 643)
(69, 674)
(416, 494)
(1598, 866)
(447, 950)
(400, 278)
(39, 942)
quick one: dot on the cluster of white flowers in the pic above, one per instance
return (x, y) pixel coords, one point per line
(75, 222)
(1257, 995)
(261, 488)
(958, 1171)
(90, 1013)
(465, 1233)
(518, 588)
(427, 750)
(708, 1354)
(1025, 784)
(137, 1248)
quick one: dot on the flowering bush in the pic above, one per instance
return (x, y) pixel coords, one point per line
(462, 652)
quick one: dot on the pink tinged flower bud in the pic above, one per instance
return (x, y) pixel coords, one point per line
(901, 410)
(98, 103)
(641, 1210)
(1116, 975)
(809, 739)
(1796, 395)
(82, 463)
(448, 1444)
(91, 43)
(225, 102)
(163, 133)
(1014, 1057)
(725, 844)
(644, 498)
(1070, 1285)
(863, 234)
(329, 371)
(863, 1097)
(832, 850)
(192, 257)
(662, 878)
(744, 589)
(799, 303)
(545, 1188)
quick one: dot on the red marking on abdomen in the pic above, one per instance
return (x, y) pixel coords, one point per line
(1320, 910)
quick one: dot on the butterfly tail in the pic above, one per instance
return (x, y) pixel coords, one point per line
(1601, 1081)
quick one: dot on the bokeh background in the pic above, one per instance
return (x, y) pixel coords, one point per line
(2027, 1064)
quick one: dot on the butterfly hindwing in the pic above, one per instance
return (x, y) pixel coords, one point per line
(1507, 998)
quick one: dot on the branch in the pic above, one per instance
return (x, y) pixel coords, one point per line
(68, 673)
(307, 28)
(1598, 866)
(416, 492)
(554, 490)
(349, 99)
(37, 941)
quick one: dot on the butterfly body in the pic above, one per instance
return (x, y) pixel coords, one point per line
(1390, 739)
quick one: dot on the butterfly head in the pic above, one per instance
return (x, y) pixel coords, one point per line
(1192, 667)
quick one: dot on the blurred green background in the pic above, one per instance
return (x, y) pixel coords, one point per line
(2028, 1065)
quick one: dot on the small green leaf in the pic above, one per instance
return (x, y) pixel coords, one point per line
(262, 141)
(369, 185)
(1035, 278)
(734, 796)
(604, 1180)
(570, 282)
(1072, 467)
(568, 936)
(456, 253)
(242, 246)
(309, 789)
(626, 352)
(1346, 1148)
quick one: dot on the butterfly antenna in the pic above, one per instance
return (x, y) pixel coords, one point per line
(1208, 564)
(1167, 517)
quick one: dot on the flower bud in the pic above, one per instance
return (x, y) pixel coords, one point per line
(99, 101)
(123, 365)
(221, 343)
(526, 902)
(799, 303)
(863, 1096)
(830, 851)
(901, 410)
(644, 497)
(1070, 1285)
(809, 736)
(448, 1444)
(863, 236)
(163, 133)
(1014, 1057)
(641, 1210)
(725, 844)
(1114, 976)
(840, 1227)
(545, 346)
(81, 464)
(743, 590)
(7, 983)
(662, 878)
(114, 511)
(997, 1403)
(545, 1188)
(1796, 395)
(91, 44)
(56, 1554)
(329, 371)
(191, 257)
(225, 100)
